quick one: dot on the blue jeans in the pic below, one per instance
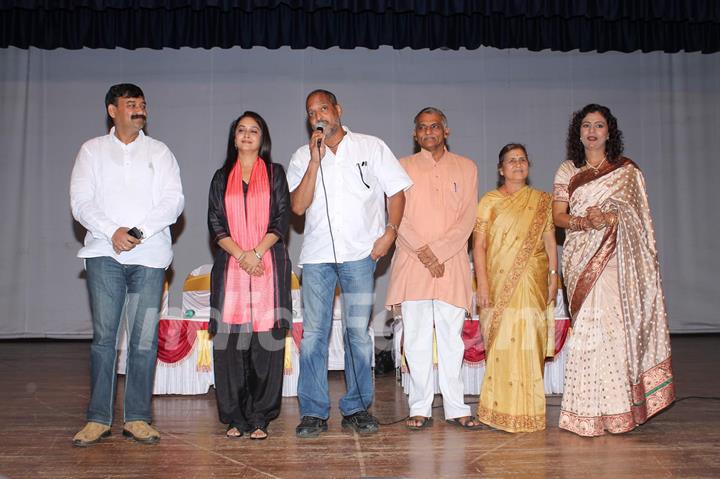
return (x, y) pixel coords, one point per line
(318, 291)
(138, 289)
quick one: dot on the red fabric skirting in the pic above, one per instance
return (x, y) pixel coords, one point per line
(475, 349)
(176, 338)
(471, 336)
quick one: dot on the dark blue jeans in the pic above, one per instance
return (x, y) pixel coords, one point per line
(137, 289)
(318, 291)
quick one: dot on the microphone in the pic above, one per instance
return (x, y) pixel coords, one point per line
(320, 126)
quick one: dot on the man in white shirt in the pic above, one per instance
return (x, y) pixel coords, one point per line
(346, 232)
(126, 191)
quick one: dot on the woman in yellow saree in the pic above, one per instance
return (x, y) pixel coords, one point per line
(618, 372)
(516, 270)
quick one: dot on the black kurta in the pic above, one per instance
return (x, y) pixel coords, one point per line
(278, 225)
(249, 366)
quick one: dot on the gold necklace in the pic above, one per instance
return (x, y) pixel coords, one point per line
(596, 169)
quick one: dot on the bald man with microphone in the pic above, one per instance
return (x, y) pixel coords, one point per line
(339, 181)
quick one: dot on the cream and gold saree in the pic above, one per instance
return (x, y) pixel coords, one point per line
(618, 371)
(515, 327)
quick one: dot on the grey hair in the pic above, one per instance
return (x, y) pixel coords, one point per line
(433, 111)
(328, 94)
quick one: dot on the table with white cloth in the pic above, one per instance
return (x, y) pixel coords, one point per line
(183, 371)
(473, 368)
(184, 364)
(193, 372)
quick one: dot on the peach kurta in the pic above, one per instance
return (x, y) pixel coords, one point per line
(439, 212)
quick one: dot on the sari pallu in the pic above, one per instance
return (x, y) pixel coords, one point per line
(618, 372)
(515, 327)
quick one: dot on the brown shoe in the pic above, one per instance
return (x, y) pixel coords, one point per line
(92, 433)
(141, 431)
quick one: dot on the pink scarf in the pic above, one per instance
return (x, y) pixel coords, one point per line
(249, 298)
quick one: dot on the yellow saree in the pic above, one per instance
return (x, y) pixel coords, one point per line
(515, 326)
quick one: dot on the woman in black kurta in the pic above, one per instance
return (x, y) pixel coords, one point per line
(248, 350)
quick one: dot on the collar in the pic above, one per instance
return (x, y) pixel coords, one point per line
(136, 141)
(348, 133)
(346, 137)
(428, 155)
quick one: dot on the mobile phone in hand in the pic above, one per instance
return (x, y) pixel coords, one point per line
(135, 233)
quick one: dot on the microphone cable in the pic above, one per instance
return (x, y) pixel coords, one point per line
(337, 272)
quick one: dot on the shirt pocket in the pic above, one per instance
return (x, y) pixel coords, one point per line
(454, 193)
(359, 178)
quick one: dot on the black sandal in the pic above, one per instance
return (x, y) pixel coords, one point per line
(466, 425)
(425, 422)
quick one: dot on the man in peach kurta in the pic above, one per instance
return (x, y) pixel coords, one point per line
(430, 274)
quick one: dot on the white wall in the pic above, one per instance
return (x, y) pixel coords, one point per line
(668, 107)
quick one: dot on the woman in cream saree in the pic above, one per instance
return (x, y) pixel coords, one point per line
(515, 264)
(618, 372)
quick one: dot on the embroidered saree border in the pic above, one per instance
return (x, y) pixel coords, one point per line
(654, 392)
(585, 177)
(593, 270)
(596, 426)
(509, 422)
(561, 192)
(596, 265)
(518, 267)
(480, 226)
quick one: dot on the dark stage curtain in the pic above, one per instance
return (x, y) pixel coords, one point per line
(585, 25)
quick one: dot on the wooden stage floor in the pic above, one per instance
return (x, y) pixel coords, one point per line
(44, 390)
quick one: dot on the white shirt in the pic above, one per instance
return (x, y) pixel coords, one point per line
(357, 211)
(114, 185)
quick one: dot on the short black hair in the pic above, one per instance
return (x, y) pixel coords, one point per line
(122, 90)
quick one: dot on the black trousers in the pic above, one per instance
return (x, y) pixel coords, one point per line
(248, 377)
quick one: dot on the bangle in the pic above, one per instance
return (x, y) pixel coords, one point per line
(257, 255)
(552, 271)
(392, 227)
(573, 223)
(578, 223)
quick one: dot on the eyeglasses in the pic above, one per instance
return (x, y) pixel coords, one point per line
(515, 161)
(435, 127)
